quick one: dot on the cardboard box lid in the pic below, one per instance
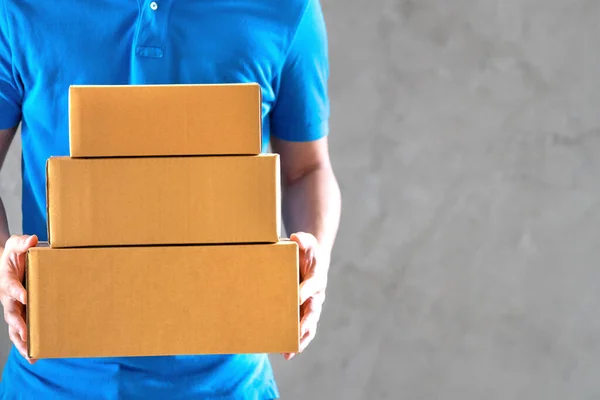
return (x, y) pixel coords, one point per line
(165, 120)
(153, 300)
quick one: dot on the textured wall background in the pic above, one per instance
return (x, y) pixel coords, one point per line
(466, 137)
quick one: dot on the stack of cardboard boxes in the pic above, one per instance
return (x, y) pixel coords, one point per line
(164, 229)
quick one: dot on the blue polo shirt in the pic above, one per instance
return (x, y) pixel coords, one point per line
(45, 46)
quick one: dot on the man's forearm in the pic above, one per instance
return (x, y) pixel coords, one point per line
(312, 204)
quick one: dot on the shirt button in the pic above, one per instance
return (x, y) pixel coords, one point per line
(154, 6)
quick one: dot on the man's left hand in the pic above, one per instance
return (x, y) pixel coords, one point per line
(314, 267)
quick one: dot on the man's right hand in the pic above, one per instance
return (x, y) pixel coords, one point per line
(12, 293)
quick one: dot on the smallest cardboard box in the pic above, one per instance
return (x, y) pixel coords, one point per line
(165, 120)
(155, 300)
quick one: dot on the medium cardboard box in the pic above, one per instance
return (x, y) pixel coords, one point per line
(163, 200)
(165, 120)
(152, 300)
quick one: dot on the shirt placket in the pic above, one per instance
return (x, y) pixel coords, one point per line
(152, 28)
(150, 61)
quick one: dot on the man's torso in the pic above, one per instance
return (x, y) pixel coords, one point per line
(56, 44)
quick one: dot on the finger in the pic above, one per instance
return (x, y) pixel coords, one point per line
(307, 264)
(321, 297)
(308, 337)
(309, 332)
(311, 314)
(13, 315)
(305, 240)
(310, 287)
(310, 307)
(20, 243)
(21, 346)
(13, 258)
(18, 342)
(14, 289)
(309, 323)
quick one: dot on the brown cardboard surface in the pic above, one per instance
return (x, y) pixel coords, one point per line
(157, 120)
(163, 200)
(153, 300)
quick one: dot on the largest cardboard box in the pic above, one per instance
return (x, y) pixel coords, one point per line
(163, 200)
(142, 301)
(161, 120)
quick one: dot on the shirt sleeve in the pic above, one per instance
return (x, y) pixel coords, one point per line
(10, 95)
(301, 111)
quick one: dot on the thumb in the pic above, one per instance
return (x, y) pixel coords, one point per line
(305, 240)
(20, 244)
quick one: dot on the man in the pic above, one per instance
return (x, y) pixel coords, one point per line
(45, 46)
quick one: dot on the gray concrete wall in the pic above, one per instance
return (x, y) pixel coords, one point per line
(466, 137)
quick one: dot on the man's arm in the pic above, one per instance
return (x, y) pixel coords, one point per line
(311, 194)
(6, 138)
(299, 130)
(12, 267)
(311, 212)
